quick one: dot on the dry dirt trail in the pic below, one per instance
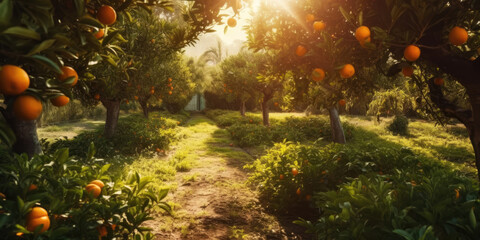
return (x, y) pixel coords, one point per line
(211, 199)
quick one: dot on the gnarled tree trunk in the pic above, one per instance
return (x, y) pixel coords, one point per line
(338, 136)
(113, 111)
(25, 134)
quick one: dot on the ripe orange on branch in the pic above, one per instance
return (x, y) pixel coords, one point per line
(13, 80)
(300, 51)
(411, 53)
(342, 102)
(347, 71)
(232, 22)
(106, 15)
(318, 75)
(438, 81)
(98, 183)
(309, 18)
(68, 72)
(407, 71)
(60, 101)
(27, 107)
(93, 189)
(294, 171)
(99, 34)
(318, 25)
(37, 217)
(458, 36)
(362, 33)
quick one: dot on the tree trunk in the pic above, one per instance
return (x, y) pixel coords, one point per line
(113, 110)
(265, 112)
(338, 135)
(25, 134)
(243, 108)
(143, 104)
(474, 130)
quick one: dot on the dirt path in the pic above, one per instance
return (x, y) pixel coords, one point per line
(211, 200)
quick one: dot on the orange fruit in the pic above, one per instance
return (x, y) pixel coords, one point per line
(93, 189)
(362, 33)
(294, 171)
(98, 183)
(36, 217)
(457, 194)
(99, 34)
(153, 40)
(309, 18)
(32, 187)
(318, 74)
(126, 101)
(318, 25)
(27, 107)
(342, 102)
(438, 81)
(232, 22)
(169, 79)
(299, 191)
(276, 104)
(152, 91)
(106, 15)
(68, 72)
(308, 197)
(407, 71)
(170, 93)
(13, 80)
(363, 42)
(300, 51)
(458, 36)
(347, 71)
(97, 96)
(2, 196)
(411, 53)
(102, 231)
(60, 101)
(282, 177)
(136, 98)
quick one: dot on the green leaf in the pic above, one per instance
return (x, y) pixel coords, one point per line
(473, 219)
(163, 193)
(90, 21)
(345, 14)
(49, 63)
(42, 46)
(404, 234)
(109, 38)
(22, 32)
(104, 169)
(6, 12)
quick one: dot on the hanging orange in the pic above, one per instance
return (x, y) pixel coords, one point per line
(347, 71)
(458, 36)
(300, 51)
(60, 101)
(27, 107)
(37, 217)
(318, 75)
(318, 25)
(107, 15)
(13, 80)
(411, 53)
(68, 72)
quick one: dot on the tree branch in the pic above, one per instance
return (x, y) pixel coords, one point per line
(448, 108)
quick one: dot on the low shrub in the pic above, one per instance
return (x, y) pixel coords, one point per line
(250, 133)
(399, 125)
(57, 183)
(322, 168)
(437, 204)
(134, 134)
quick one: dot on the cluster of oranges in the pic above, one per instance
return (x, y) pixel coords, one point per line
(14, 81)
(299, 190)
(457, 37)
(95, 188)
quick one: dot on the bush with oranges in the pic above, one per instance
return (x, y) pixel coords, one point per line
(62, 205)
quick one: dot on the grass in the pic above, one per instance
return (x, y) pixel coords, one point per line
(448, 144)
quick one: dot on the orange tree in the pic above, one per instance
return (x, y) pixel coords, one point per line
(239, 77)
(436, 38)
(38, 39)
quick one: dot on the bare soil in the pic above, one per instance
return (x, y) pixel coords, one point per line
(218, 204)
